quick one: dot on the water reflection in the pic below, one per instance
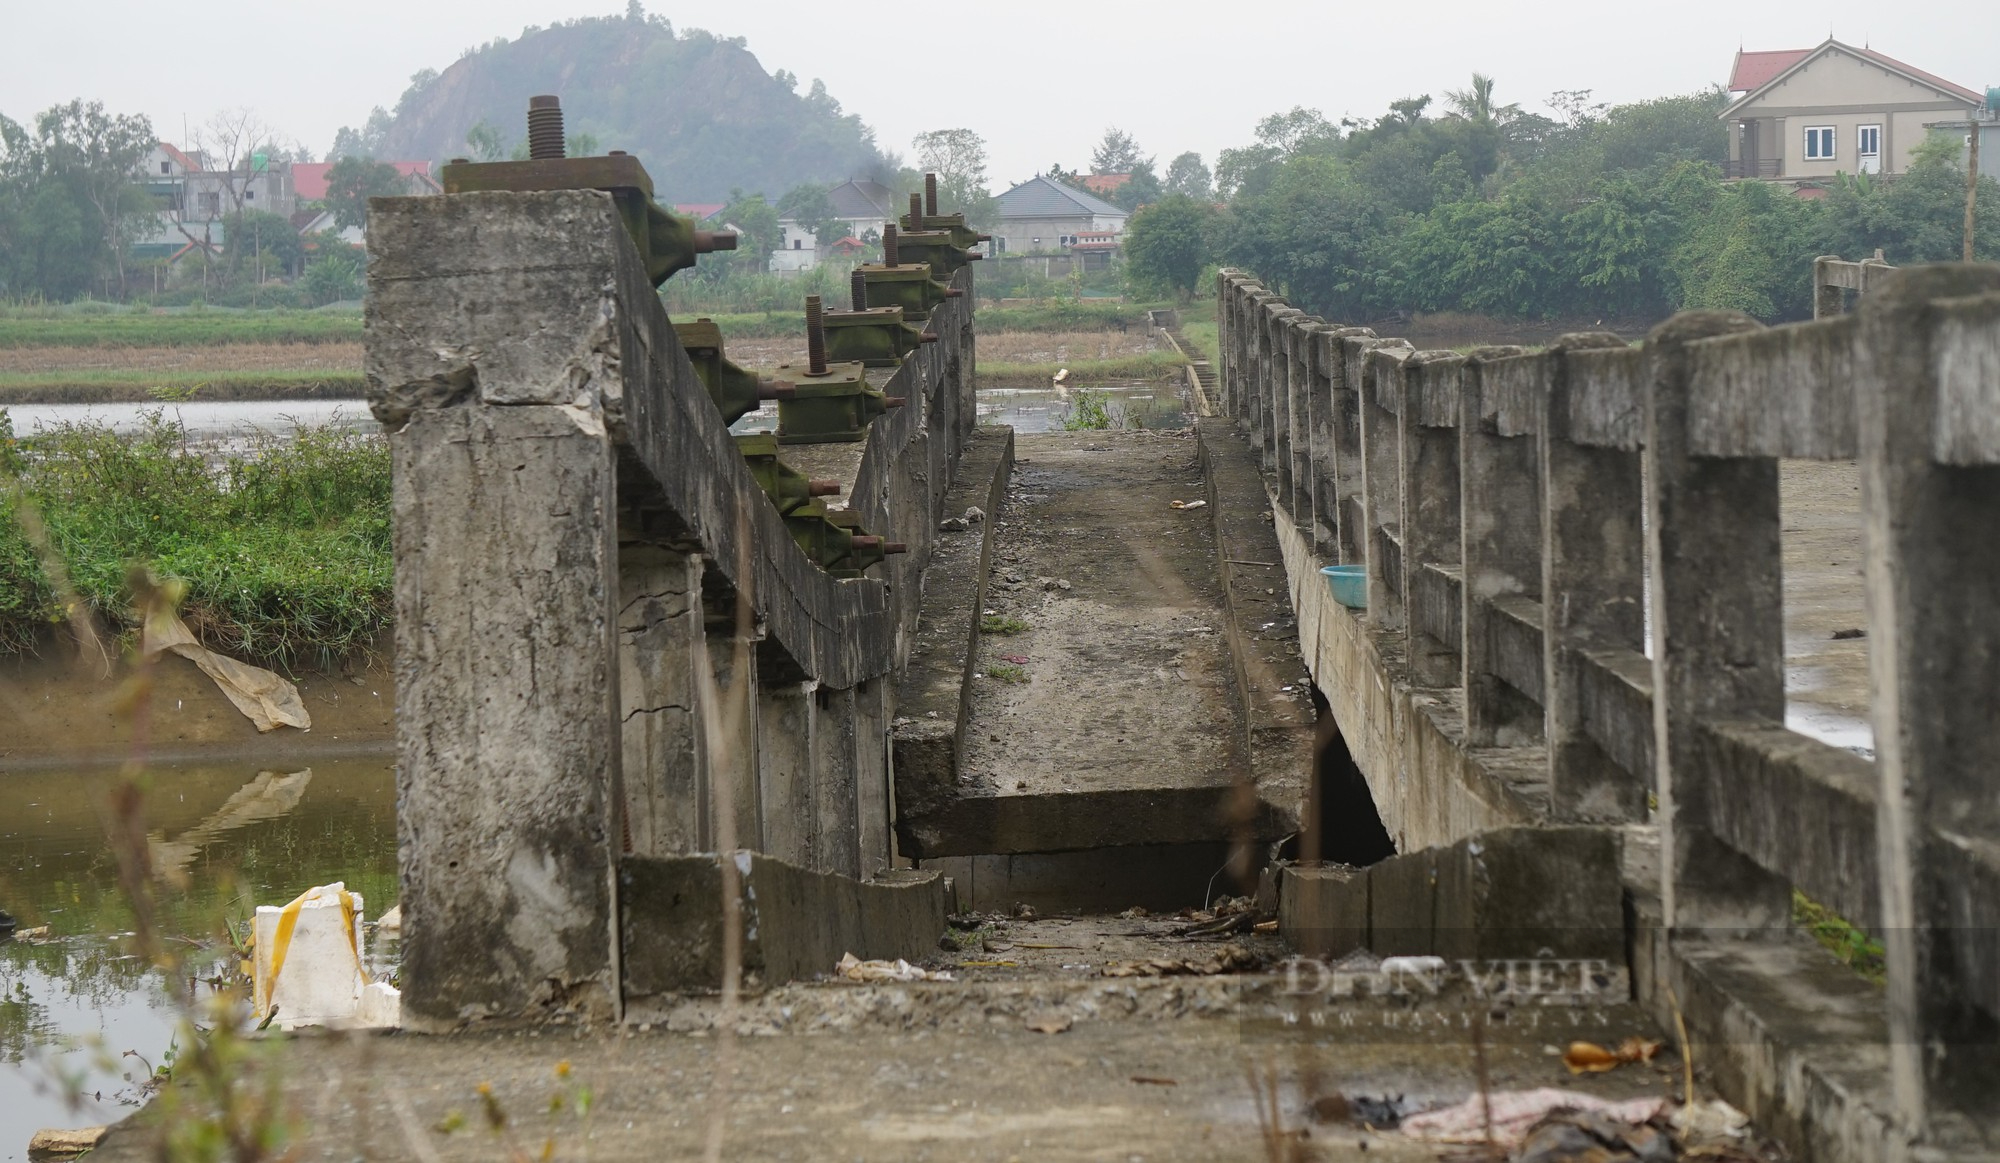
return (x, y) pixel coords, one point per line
(229, 838)
(1131, 405)
(217, 420)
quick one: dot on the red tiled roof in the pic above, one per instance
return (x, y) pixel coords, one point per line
(1754, 70)
(180, 159)
(1101, 184)
(699, 211)
(309, 178)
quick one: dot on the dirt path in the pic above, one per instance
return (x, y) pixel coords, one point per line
(1820, 511)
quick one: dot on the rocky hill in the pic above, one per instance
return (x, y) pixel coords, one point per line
(697, 109)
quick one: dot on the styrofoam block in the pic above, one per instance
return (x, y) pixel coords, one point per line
(321, 978)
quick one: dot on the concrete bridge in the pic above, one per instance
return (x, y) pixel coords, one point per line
(643, 736)
(1575, 608)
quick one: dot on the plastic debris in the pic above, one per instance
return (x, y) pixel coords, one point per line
(307, 967)
(854, 969)
(268, 700)
(1591, 1058)
(1187, 504)
(1709, 1122)
(1230, 958)
(1593, 1137)
(1515, 1112)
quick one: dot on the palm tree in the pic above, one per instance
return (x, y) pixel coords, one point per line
(1476, 104)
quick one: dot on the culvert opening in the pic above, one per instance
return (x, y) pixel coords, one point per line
(1342, 823)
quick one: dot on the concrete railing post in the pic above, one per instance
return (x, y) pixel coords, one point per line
(733, 734)
(1430, 500)
(874, 795)
(1712, 541)
(836, 841)
(1322, 458)
(1382, 482)
(1298, 466)
(1593, 574)
(1500, 540)
(1933, 571)
(1272, 399)
(507, 596)
(1348, 374)
(786, 719)
(665, 753)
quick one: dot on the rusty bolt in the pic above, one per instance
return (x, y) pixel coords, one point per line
(916, 211)
(927, 337)
(930, 194)
(953, 293)
(822, 488)
(865, 541)
(461, 161)
(710, 241)
(857, 289)
(895, 547)
(775, 390)
(889, 253)
(545, 127)
(616, 153)
(894, 401)
(815, 337)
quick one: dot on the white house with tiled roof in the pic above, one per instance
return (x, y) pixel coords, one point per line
(1817, 112)
(1044, 215)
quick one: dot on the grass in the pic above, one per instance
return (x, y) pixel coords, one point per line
(282, 548)
(1002, 624)
(1007, 672)
(1088, 412)
(20, 328)
(1154, 365)
(138, 385)
(1855, 948)
(1204, 335)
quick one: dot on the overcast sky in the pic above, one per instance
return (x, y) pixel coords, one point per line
(1038, 79)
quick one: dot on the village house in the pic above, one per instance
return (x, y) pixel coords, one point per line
(864, 207)
(1816, 112)
(1042, 215)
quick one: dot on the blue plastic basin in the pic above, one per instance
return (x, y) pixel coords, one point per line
(1349, 584)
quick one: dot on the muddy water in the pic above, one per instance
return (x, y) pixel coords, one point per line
(234, 836)
(1132, 404)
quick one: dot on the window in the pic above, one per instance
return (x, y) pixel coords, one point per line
(1870, 140)
(798, 244)
(166, 167)
(249, 195)
(1819, 143)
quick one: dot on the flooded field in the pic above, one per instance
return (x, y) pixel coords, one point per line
(223, 839)
(220, 420)
(1140, 404)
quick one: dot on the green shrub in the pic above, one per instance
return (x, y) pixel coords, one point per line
(284, 547)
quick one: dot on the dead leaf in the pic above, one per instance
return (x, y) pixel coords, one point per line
(1264, 927)
(1591, 1058)
(1149, 1080)
(1051, 1023)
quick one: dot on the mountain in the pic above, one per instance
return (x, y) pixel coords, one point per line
(697, 109)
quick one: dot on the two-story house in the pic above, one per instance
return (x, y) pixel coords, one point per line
(1816, 112)
(864, 206)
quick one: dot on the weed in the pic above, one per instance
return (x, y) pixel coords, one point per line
(1007, 672)
(283, 549)
(1855, 948)
(1002, 624)
(1088, 412)
(23, 327)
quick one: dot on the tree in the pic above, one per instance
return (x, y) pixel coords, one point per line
(231, 139)
(958, 158)
(68, 202)
(1142, 187)
(352, 181)
(809, 206)
(486, 143)
(1187, 175)
(1168, 245)
(1116, 154)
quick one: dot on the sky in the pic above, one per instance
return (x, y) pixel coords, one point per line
(1039, 80)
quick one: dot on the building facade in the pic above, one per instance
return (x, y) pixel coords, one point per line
(1042, 215)
(1833, 109)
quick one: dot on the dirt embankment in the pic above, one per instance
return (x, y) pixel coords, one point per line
(54, 709)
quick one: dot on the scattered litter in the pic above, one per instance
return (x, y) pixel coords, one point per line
(855, 969)
(1051, 1023)
(952, 525)
(1134, 913)
(391, 921)
(974, 515)
(61, 1144)
(265, 698)
(1591, 1058)
(1709, 1122)
(1264, 927)
(1016, 659)
(1593, 1137)
(1843, 635)
(1227, 959)
(1187, 504)
(1054, 583)
(306, 964)
(1378, 1114)
(33, 936)
(1149, 1080)
(1515, 1112)
(989, 965)
(1024, 912)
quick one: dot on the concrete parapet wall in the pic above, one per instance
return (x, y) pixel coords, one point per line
(607, 641)
(1522, 515)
